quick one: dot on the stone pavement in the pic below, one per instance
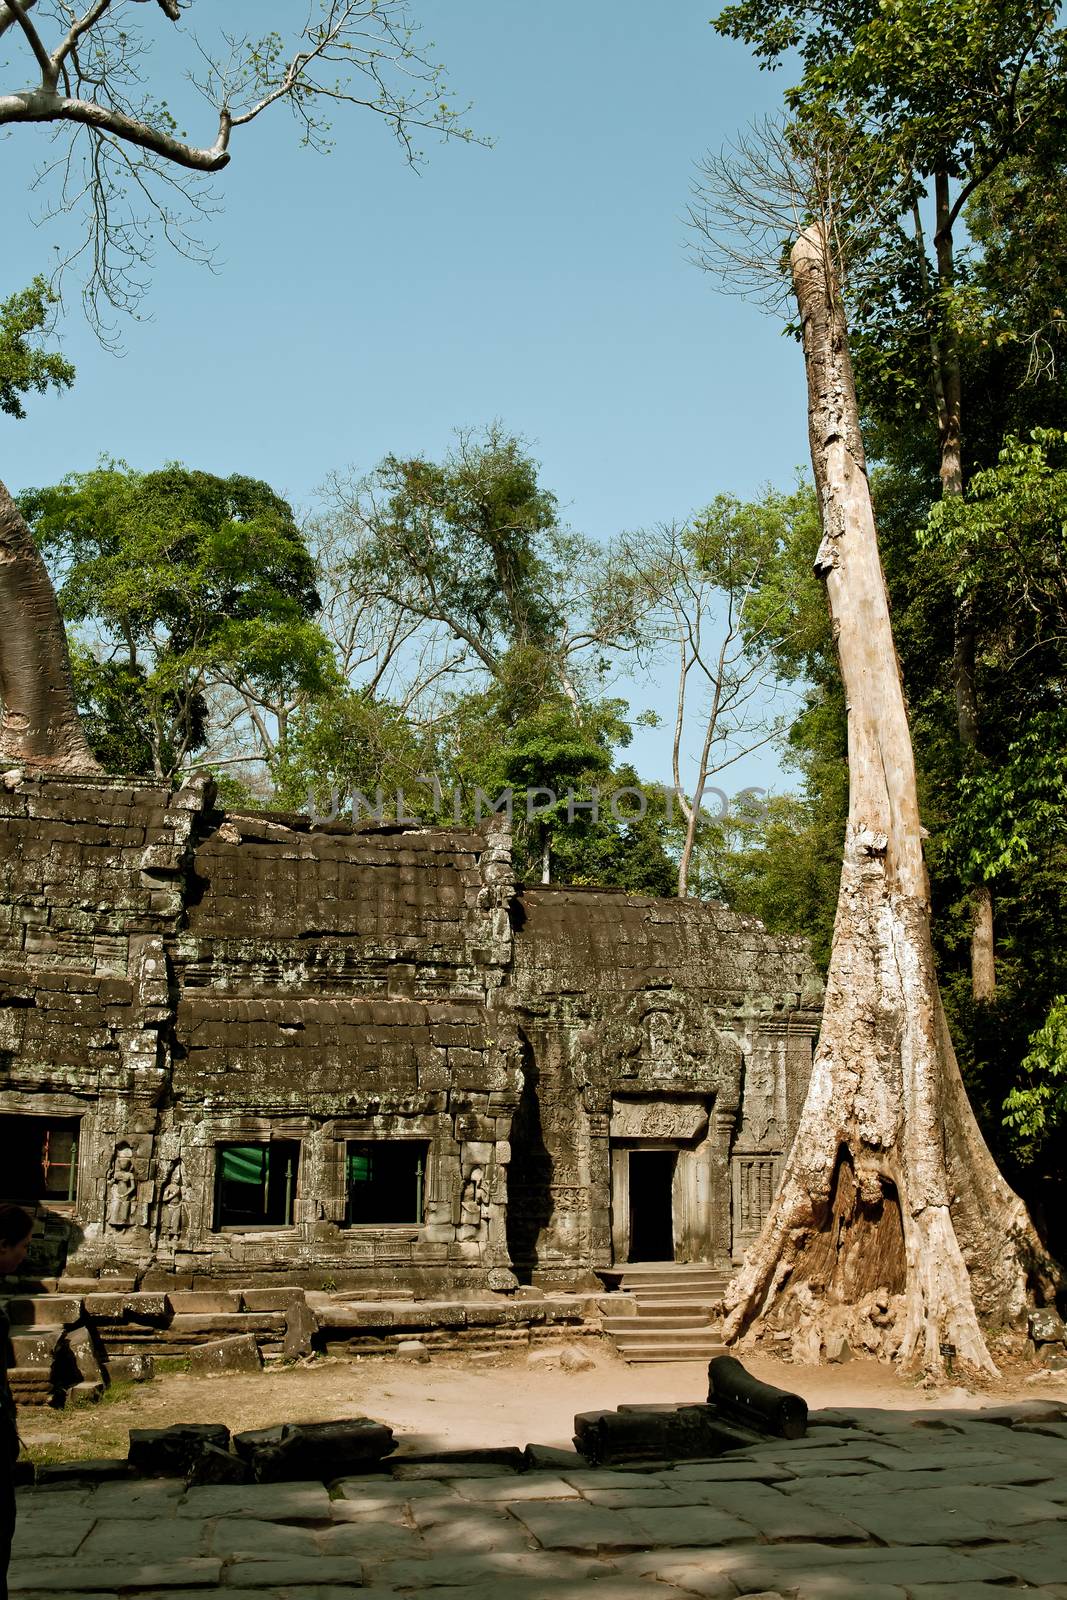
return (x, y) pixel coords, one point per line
(871, 1505)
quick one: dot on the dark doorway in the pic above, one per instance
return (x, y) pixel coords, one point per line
(652, 1205)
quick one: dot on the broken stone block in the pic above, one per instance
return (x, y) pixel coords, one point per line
(238, 1354)
(136, 1368)
(170, 1452)
(412, 1350)
(323, 1451)
(301, 1326)
(80, 1344)
(1046, 1327)
(1053, 1358)
(213, 1465)
(246, 1444)
(502, 1280)
(279, 1299)
(87, 1393)
(734, 1391)
(573, 1359)
(653, 1433)
(838, 1350)
(35, 1347)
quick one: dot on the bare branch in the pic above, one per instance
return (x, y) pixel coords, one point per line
(18, 11)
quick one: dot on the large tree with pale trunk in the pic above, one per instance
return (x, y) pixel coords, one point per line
(128, 174)
(892, 1227)
(936, 99)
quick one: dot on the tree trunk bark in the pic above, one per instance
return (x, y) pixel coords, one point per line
(39, 722)
(983, 957)
(892, 1227)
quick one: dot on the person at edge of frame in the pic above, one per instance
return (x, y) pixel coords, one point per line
(16, 1226)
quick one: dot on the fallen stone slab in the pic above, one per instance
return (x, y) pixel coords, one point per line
(301, 1326)
(743, 1398)
(237, 1354)
(137, 1368)
(35, 1346)
(253, 1439)
(170, 1452)
(323, 1450)
(213, 1465)
(653, 1433)
(83, 1349)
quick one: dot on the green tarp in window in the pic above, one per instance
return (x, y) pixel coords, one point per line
(245, 1163)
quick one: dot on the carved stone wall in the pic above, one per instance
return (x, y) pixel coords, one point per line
(185, 994)
(654, 1024)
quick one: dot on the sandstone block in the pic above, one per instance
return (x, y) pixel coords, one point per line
(574, 1359)
(205, 1300)
(279, 1299)
(228, 1322)
(246, 1444)
(238, 1354)
(213, 1465)
(87, 1392)
(44, 1310)
(80, 1343)
(412, 1350)
(323, 1451)
(35, 1347)
(136, 1368)
(301, 1326)
(170, 1452)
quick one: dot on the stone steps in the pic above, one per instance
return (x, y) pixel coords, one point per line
(675, 1349)
(667, 1311)
(646, 1327)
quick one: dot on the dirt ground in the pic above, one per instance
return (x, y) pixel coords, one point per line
(458, 1402)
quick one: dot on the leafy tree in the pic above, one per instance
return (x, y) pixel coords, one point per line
(182, 582)
(128, 171)
(468, 560)
(23, 364)
(938, 104)
(343, 743)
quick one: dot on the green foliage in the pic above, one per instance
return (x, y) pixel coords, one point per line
(342, 743)
(176, 583)
(1037, 1108)
(24, 366)
(474, 544)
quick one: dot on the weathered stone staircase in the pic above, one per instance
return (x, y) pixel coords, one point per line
(667, 1311)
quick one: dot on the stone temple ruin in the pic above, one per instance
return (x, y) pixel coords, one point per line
(242, 1049)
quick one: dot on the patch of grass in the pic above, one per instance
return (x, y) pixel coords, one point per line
(165, 1364)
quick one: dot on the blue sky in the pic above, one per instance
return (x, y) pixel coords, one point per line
(358, 307)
